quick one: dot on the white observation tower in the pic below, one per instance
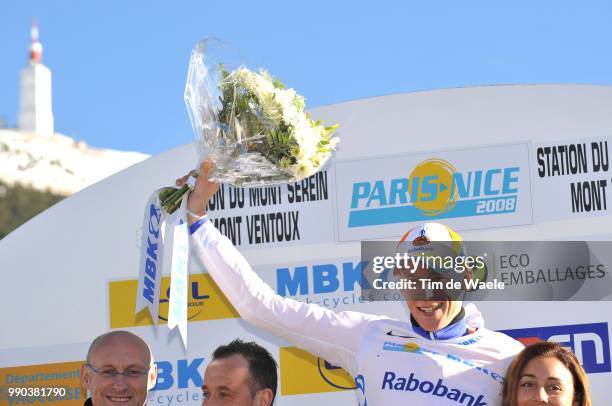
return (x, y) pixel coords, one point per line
(35, 113)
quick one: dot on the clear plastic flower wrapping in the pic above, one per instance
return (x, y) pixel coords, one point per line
(254, 129)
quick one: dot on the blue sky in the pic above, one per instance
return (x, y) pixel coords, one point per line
(119, 67)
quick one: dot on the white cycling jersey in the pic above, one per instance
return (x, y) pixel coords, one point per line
(391, 363)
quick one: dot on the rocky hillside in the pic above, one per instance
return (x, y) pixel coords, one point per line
(36, 172)
(57, 164)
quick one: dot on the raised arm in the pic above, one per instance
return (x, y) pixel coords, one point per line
(322, 332)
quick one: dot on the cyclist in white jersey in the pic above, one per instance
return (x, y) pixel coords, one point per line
(443, 355)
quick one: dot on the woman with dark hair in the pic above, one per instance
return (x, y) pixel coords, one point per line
(546, 373)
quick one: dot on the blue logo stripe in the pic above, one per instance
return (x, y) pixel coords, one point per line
(590, 342)
(394, 347)
(405, 214)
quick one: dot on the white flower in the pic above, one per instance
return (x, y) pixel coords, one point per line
(262, 84)
(333, 142)
(303, 131)
(307, 141)
(320, 158)
(291, 115)
(309, 148)
(303, 169)
(258, 84)
(299, 102)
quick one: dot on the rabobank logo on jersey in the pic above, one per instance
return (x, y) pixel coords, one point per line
(434, 188)
(381, 197)
(412, 383)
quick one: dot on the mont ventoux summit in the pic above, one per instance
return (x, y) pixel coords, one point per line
(35, 156)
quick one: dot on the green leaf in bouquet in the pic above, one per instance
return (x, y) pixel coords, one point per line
(279, 145)
(170, 198)
(165, 193)
(278, 84)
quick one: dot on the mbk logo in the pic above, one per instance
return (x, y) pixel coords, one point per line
(186, 371)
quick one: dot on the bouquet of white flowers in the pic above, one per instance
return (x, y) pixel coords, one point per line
(254, 129)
